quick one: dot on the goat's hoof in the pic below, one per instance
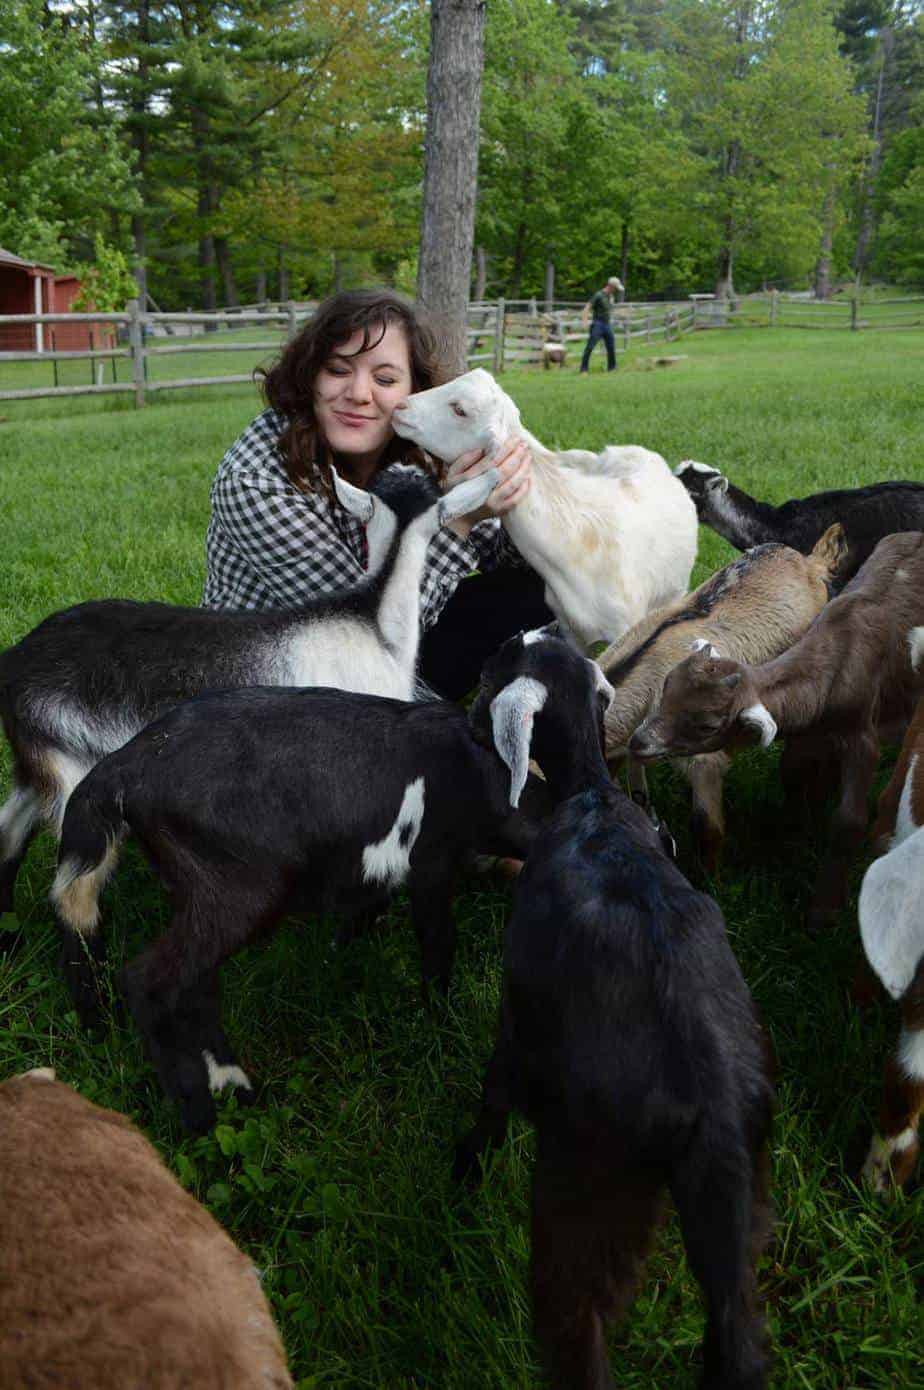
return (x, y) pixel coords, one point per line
(197, 1113)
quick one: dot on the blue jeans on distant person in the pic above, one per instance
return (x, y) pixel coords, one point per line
(598, 330)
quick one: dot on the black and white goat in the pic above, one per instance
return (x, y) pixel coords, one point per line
(866, 514)
(87, 679)
(629, 1039)
(247, 799)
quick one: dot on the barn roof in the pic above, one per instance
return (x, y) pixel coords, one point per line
(7, 258)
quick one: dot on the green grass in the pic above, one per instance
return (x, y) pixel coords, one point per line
(337, 1184)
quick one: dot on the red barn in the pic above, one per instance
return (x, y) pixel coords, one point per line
(28, 287)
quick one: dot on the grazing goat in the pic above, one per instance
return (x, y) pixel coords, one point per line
(347, 797)
(846, 681)
(87, 679)
(629, 1039)
(110, 1274)
(892, 927)
(752, 610)
(611, 541)
(866, 514)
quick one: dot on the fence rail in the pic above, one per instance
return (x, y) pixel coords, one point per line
(500, 332)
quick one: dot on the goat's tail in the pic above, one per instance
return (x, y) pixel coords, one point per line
(830, 551)
(92, 830)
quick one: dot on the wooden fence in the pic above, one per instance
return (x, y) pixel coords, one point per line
(501, 333)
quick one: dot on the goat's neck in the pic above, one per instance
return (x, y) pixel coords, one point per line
(398, 613)
(796, 690)
(571, 762)
(550, 490)
(740, 519)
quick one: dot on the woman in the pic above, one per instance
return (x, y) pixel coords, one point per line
(276, 537)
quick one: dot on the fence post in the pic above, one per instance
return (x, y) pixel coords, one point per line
(774, 304)
(499, 338)
(291, 320)
(136, 343)
(625, 334)
(647, 328)
(853, 315)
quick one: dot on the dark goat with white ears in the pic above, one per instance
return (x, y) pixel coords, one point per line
(247, 800)
(629, 1039)
(87, 679)
(866, 514)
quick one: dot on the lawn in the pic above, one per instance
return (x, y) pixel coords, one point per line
(337, 1184)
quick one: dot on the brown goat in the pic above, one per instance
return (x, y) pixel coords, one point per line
(110, 1274)
(892, 929)
(847, 679)
(752, 610)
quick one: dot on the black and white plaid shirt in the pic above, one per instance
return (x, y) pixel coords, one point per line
(271, 546)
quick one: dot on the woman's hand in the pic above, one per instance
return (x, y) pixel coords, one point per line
(514, 464)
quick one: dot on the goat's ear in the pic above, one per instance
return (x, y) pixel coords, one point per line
(718, 483)
(702, 644)
(504, 425)
(513, 710)
(352, 499)
(758, 717)
(832, 548)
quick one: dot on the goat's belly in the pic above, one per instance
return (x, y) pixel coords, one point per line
(347, 656)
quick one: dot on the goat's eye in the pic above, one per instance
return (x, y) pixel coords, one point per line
(457, 409)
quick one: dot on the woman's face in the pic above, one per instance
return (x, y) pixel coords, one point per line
(356, 392)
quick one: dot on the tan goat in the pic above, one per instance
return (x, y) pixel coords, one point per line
(753, 609)
(847, 680)
(891, 912)
(110, 1274)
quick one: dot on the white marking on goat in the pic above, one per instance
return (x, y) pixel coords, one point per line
(901, 574)
(389, 859)
(222, 1075)
(891, 928)
(538, 634)
(694, 468)
(40, 1074)
(347, 655)
(916, 646)
(876, 1167)
(904, 819)
(17, 817)
(760, 717)
(911, 1053)
(67, 771)
(76, 894)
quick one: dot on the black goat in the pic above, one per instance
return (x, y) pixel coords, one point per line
(246, 799)
(87, 679)
(866, 514)
(629, 1039)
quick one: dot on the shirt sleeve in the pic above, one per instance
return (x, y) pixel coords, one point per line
(287, 537)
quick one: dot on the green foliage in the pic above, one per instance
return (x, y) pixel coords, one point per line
(107, 283)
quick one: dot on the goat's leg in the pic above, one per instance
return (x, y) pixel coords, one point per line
(75, 896)
(707, 775)
(887, 807)
(162, 988)
(590, 1235)
(490, 1129)
(199, 1013)
(19, 818)
(859, 758)
(894, 1151)
(809, 769)
(430, 892)
(718, 1202)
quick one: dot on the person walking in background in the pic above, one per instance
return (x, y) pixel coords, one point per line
(600, 309)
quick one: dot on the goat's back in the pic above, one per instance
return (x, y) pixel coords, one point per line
(111, 1274)
(628, 1014)
(866, 513)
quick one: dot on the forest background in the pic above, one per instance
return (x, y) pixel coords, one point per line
(234, 150)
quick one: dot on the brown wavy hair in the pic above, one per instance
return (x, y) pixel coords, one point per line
(288, 385)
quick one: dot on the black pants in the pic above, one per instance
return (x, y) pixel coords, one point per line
(598, 330)
(483, 612)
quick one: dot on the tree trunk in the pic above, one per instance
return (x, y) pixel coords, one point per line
(481, 273)
(204, 208)
(451, 166)
(519, 255)
(823, 263)
(549, 286)
(283, 276)
(868, 187)
(261, 285)
(226, 271)
(140, 141)
(624, 259)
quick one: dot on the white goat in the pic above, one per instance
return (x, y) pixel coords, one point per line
(613, 535)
